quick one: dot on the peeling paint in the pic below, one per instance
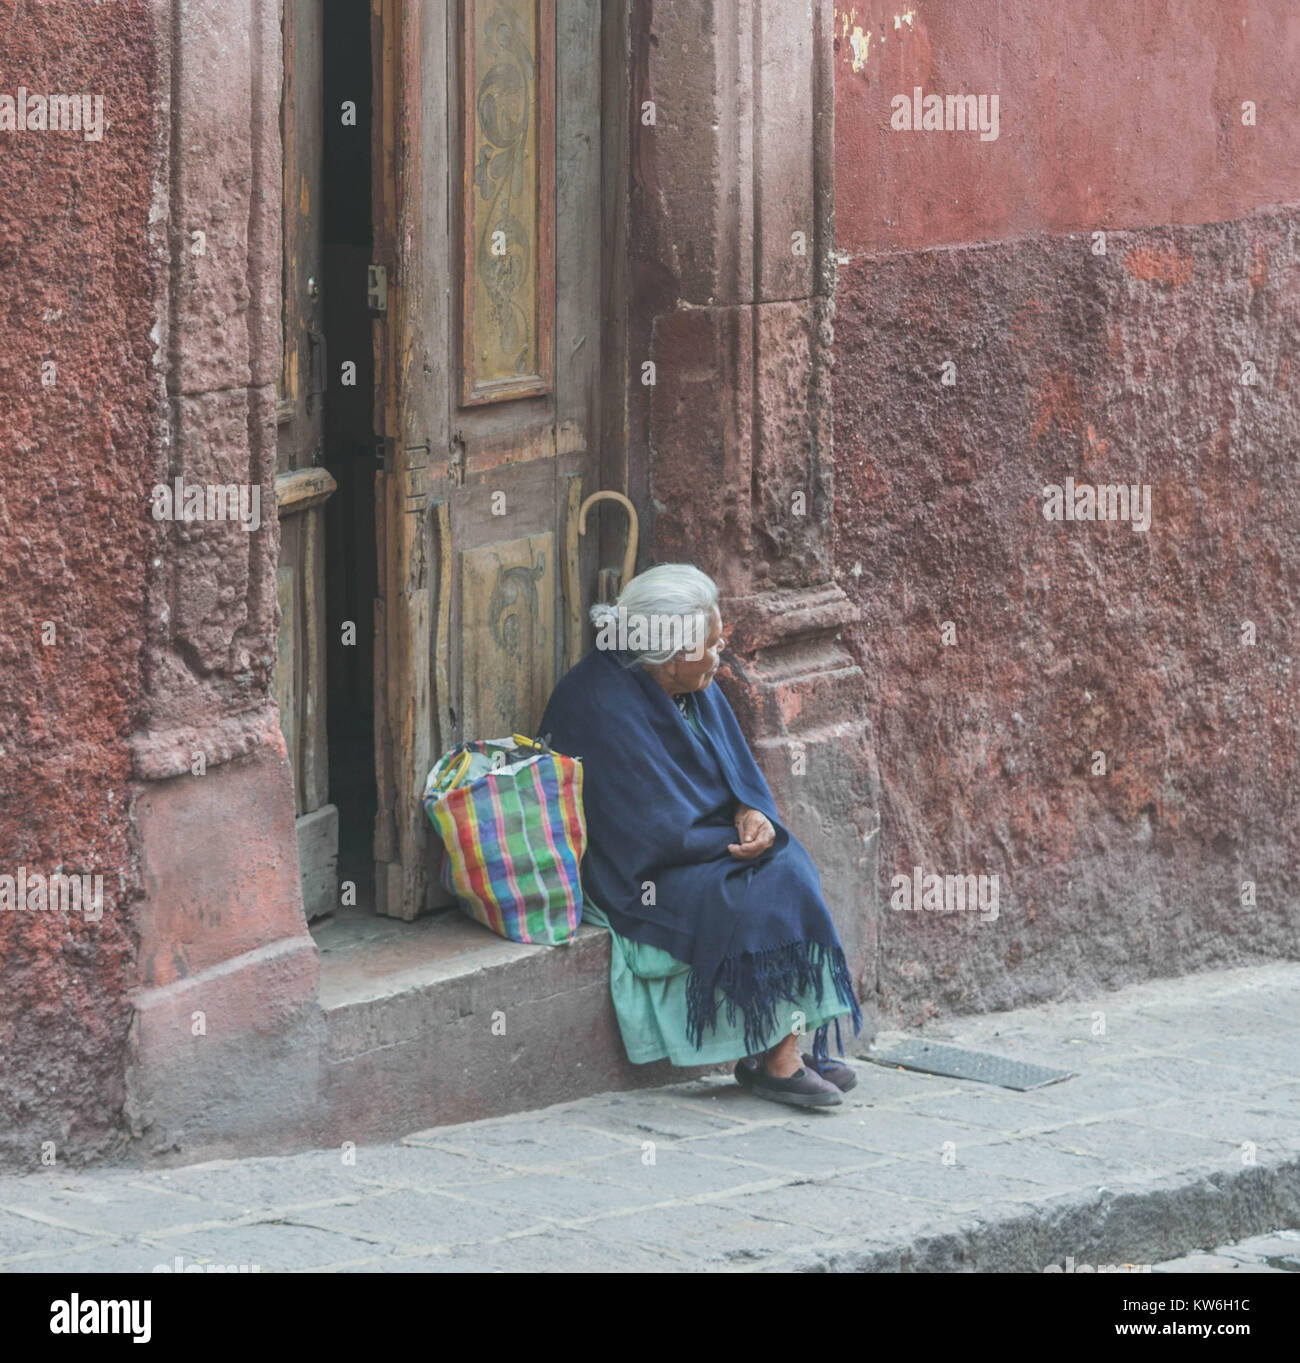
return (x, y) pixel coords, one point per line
(906, 17)
(860, 42)
(858, 39)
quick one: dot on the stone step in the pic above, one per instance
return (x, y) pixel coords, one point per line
(436, 1022)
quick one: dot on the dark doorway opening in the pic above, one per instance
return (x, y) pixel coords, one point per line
(351, 580)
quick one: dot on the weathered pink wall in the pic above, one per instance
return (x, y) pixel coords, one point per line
(165, 632)
(76, 287)
(1118, 368)
(1112, 115)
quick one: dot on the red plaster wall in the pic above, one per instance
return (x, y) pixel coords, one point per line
(76, 464)
(1111, 115)
(1124, 367)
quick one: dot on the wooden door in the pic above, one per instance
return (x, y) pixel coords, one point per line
(488, 225)
(301, 487)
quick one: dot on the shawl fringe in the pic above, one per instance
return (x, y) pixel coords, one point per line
(755, 984)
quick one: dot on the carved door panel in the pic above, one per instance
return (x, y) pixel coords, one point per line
(488, 213)
(302, 488)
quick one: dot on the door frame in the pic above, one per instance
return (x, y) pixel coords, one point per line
(409, 159)
(301, 486)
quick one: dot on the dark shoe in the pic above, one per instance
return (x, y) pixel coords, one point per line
(744, 1072)
(840, 1074)
(804, 1088)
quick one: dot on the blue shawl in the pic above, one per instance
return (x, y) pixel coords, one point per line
(659, 804)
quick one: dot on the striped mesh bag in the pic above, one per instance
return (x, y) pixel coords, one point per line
(509, 811)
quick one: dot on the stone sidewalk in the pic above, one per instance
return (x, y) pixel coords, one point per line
(1277, 1253)
(1181, 1132)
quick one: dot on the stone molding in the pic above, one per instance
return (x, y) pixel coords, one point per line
(158, 754)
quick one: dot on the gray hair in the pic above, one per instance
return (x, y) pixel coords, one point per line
(676, 596)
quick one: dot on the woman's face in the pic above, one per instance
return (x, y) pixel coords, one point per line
(694, 674)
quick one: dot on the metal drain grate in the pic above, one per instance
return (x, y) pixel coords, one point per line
(954, 1063)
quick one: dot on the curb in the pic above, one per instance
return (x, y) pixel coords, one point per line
(1175, 1215)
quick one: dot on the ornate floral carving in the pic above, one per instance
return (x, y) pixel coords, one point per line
(503, 246)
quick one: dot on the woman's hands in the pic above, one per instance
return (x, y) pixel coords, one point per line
(756, 834)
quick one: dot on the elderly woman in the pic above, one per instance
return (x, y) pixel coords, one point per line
(723, 948)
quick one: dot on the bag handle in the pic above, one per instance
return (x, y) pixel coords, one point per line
(454, 773)
(456, 770)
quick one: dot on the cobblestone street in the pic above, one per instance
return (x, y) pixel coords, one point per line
(1179, 1135)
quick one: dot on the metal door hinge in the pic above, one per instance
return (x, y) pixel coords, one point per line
(377, 288)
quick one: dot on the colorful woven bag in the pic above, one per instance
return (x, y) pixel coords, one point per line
(509, 811)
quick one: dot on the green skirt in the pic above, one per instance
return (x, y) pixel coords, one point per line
(649, 990)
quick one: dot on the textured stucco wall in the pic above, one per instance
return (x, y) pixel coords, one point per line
(1072, 638)
(77, 285)
(143, 745)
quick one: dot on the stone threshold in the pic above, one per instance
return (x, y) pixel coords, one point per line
(365, 957)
